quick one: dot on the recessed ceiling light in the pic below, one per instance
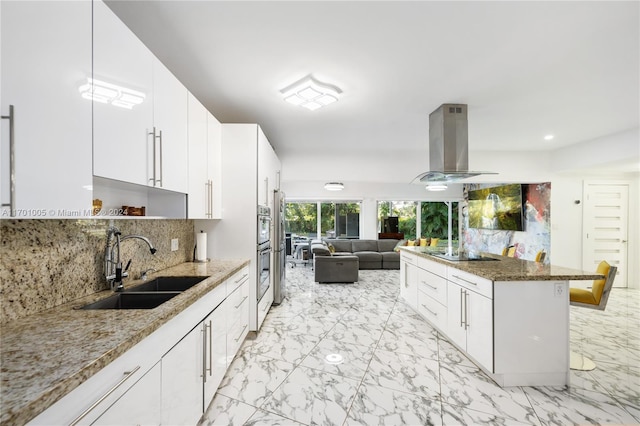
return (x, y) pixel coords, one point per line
(334, 186)
(310, 93)
(548, 137)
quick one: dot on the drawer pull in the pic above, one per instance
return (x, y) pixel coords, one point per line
(241, 302)
(429, 285)
(127, 374)
(243, 328)
(430, 311)
(462, 279)
(241, 278)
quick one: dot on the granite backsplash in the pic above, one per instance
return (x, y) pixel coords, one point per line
(45, 263)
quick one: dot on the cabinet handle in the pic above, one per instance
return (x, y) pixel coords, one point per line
(429, 285)
(461, 296)
(152, 179)
(12, 163)
(242, 278)
(210, 350)
(406, 281)
(243, 328)
(160, 158)
(127, 374)
(241, 302)
(210, 199)
(429, 310)
(462, 279)
(466, 310)
(207, 195)
(204, 352)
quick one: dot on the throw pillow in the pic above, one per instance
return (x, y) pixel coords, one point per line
(411, 243)
(434, 242)
(332, 249)
(400, 243)
(423, 242)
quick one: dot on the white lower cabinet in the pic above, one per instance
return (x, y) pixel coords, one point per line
(140, 405)
(409, 279)
(470, 323)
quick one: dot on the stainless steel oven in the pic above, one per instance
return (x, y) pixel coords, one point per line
(264, 250)
(264, 270)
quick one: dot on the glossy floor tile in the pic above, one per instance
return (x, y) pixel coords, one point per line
(353, 354)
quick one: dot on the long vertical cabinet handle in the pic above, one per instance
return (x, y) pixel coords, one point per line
(210, 350)
(266, 192)
(204, 352)
(461, 307)
(160, 159)
(207, 193)
(406, 275)
(466, 310)
(12, 162)
(210, 199)
(152, 179)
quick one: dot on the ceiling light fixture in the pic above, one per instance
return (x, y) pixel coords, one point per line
(310, 93)
(436, 187)
(334, 186)
(548, 137)
(107, 93)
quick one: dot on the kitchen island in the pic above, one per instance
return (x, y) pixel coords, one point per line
(509, 316)
(52, 356)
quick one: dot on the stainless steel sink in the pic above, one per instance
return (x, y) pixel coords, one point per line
(130, 300)
(166, 284)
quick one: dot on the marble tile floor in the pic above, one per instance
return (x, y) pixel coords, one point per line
(353, 354)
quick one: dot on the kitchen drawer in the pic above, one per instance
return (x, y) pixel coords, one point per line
(432, 311)
(433, 267)
(237, 307)
(236, 335)
(237, 279)
(472, 282)
(433, 285)
(408, 257)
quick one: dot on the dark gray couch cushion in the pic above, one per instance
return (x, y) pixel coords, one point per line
(390, 260)
(364, 245)
(386, 245)
(341, 245)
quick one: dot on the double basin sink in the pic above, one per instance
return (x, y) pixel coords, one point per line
(147, 295)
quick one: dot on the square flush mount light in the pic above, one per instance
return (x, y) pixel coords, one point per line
(310, 93)
(334, 186)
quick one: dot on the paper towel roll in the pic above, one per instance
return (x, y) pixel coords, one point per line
(201, 247)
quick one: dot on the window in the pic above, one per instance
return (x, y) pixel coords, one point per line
(337, 219)
(432, 218)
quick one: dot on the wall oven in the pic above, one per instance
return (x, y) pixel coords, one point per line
(264, 251)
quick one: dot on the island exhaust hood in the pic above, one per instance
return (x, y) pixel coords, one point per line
(448, 146)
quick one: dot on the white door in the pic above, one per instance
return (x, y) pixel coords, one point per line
(605, 227)
(479, 324)
(456, 315)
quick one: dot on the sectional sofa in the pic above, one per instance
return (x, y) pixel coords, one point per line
(371, 254)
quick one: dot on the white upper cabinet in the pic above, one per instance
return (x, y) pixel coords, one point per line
(122, 132)
(214, 157)
(46, 57)
(170, 123)
(199, 181)
(140, 110)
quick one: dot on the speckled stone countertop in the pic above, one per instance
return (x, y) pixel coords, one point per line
(46, 355)
(508, 268)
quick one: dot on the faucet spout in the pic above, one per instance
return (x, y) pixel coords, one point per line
(113, 267)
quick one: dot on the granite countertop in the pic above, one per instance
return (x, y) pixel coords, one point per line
(46, 355)
(508, 268)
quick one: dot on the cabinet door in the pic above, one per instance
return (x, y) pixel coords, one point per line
(121, 64)
(46, 57)
(140, 405)
(214, 155)
(199, 181)
(170, 122)
(409, 284)
(480, 328)
(216, 351)
(182, 369)
(456, 315)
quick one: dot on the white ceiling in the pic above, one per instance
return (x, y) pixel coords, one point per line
(526, 69)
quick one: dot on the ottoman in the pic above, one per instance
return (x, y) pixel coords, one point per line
(336, 269)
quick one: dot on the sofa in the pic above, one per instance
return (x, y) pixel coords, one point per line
(371, 254)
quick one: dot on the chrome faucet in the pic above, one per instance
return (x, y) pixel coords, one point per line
(113, 267)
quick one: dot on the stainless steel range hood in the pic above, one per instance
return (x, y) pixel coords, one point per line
(448, 146)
